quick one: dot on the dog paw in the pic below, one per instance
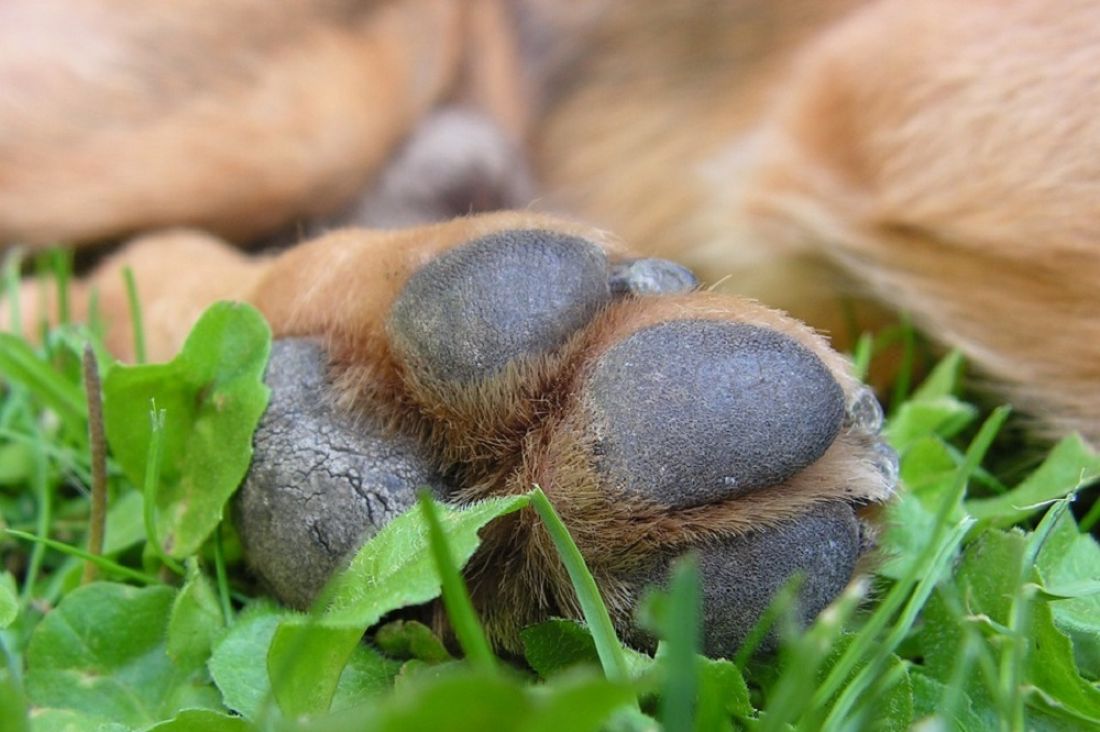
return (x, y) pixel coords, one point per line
(658, 419)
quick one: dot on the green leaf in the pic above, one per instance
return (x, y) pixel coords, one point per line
(944, 416)
(202, 720)
(13, 707)
(456, 597)
(9, 600)
(195, 621)
(213, 395)
(393, 570)
(124, 526)
(102, 653)
(557, 645)
(410, 639)
(238, 665)
(367, 674)
(1067, 561)
(464, 701)
(988, 578)
(66, 720)
(928, 701)
(1070, 465)
(943, 380)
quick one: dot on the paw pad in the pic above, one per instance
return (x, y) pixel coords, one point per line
(696, 411)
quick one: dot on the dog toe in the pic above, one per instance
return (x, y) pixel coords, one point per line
(512, 295)
(320, 482)
(695, 411)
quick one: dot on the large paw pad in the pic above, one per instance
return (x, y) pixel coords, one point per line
(695, 411)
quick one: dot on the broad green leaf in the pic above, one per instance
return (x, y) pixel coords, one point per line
(393, 570)
(238, 664)
(944, 416)
(195, 621)
(988, 579)
(1070, 465)
(16, 463)
(202, 720)
(929, 696)
(9, 600)
(13, 707)
(557, 645)
(124, 525)
(367, 674)
(102, 653)
(722, 690)
(66, 720)
(464, 701)
(239, 669)
(213, 395)
(410, 639)
(1068, 560)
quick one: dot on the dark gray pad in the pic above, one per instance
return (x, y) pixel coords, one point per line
(741, 576)
(468, 313)
(320, 482)
(695, 411)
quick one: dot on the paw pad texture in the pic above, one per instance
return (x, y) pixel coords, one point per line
(467, 314)
(689, 412)
(741, 576)
(321, 482)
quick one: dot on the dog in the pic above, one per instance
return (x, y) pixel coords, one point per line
(931, 157)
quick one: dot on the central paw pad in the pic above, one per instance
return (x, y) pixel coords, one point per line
(659, 420)
(695, 411)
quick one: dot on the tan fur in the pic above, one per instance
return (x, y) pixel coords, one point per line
(937, 156)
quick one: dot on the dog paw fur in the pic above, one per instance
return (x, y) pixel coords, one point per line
(657, 418)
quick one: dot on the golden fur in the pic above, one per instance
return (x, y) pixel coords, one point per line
(936, 156)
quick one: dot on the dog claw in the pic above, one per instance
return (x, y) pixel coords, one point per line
(651, 277)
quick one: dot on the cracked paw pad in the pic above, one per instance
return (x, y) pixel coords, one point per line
(320, 483)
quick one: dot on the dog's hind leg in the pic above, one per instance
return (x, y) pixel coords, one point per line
(945, 153)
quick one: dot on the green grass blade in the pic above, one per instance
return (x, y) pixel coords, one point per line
(13, 262)
(149, 489)
(102, 562)
(43, 491)
(61, 266)
(456, 598)
(21, 365)
(608, 647)
(222, 578)
(870, 636)
(682, 639)
(136, 319)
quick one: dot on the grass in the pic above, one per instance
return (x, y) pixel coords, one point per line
(982, 611)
